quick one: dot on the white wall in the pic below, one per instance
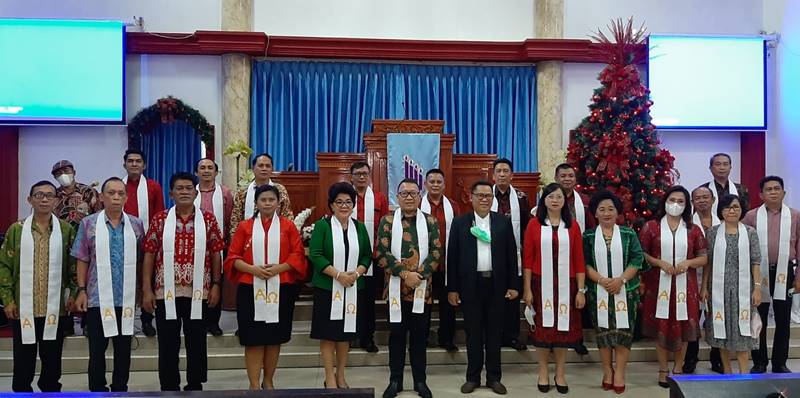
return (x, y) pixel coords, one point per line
(505, 20)
(691, 149)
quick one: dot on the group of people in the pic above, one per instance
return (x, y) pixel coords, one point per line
(704, 263)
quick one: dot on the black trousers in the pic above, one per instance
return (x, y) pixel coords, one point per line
(366, 306)
(169, 346)
(98, 344)
(146, 317)
(25, 358)
(693, 348)
(782, 310)
(415, 327)
(447, 313)
(484, 331)
(511, 315)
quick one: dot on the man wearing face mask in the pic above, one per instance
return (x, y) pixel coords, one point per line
(75, 200)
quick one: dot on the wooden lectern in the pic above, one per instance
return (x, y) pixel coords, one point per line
(308, 189)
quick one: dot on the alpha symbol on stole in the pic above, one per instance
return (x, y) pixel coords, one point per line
(108, 314)
(548, 305)
(394, 302)
(718, 316)
(337, 296)
(602, 305)
(260, 295)
(663, 295)
(169, 296)
(26, 323)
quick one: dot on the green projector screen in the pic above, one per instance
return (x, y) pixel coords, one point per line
(62, 72)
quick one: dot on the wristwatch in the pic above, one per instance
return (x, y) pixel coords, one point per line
(583, 290)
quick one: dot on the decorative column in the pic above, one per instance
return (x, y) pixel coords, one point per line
(549, 24)
(237, 15)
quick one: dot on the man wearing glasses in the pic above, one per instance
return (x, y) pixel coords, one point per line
(482, 278)
(370, 207)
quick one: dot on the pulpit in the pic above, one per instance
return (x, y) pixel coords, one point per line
(308, 189)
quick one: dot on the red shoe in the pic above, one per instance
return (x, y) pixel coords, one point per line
(618, 390)
(608, 386)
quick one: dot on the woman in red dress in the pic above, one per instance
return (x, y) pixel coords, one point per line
(674, 248)
(554, 283)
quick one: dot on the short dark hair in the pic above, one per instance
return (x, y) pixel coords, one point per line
(134, 152)
(408, 181)
(480, 183)
(181, 175)
(197, 165)
(359, 165)
(503, 160)
(541, 209)
(434, 171)
(767, 179)
(103, 187)
(601, 196)
(255, 159)
(704, 187)
(341, 188)
(711, 159)
(564, 166)
(687, 211)
(725, 202)
(41, 184)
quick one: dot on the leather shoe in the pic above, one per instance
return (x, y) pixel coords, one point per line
(369, 346)
(717, 368)
(469, 387)
(757, 369)
(422, 390)
(497, 387)
(515, 344)
(214, 330)
(581, 350)
(393, 389)
(148, 329)
(449, 347)
(781, 369)
(689, 366)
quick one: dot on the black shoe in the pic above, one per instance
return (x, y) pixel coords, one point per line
(781, 369)
(148, 329)
(757, 369)
(469, 387)
(193, 387)
(581, 350)
(561, 389)
(543, 387)
(369, 346)
(689, 366)
(515, 344)
(497, 387)
(422, 390)
(717, 368)
(449, 347)
(393, 389)
(214, 330)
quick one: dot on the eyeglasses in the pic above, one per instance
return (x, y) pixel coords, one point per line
(483, 196)
(408, 194)
(41, 195)
(732, 208)
(361, 174)
(343, 203)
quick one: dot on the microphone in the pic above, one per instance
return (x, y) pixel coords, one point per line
(290, 167)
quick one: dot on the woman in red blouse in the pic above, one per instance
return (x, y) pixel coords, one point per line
(262, 339)
(670, 302)
(553, 263)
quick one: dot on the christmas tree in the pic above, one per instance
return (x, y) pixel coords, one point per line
(616, 147)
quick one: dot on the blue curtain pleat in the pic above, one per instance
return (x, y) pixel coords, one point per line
(300, 108)
(170, 148)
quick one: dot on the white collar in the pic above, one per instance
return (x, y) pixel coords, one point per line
(483, 219)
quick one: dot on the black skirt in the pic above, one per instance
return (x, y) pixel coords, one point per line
(322, 327)
(259, 333)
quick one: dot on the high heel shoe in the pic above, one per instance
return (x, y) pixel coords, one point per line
(543, 387)
(663, 384)
(618, 389)
(608, 386)
(561, 389)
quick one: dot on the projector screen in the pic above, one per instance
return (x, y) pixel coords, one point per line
(62, 72)
(707, 83)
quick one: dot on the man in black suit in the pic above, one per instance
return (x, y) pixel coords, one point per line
(482, 278)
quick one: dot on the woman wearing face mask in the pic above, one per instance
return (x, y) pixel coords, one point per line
(674, 248)
(731, 287)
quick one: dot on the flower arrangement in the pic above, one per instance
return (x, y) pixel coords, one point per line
(301, 218)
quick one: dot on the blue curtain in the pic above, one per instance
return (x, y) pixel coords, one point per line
(170, 148)
(300, 108)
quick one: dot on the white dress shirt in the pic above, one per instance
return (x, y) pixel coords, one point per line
(484, 249)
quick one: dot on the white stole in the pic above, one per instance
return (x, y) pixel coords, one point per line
(104, 281)
(448, 220)
(620, 302)
(731, 190)
(783, 251)
(395, 311)
(198, 266)
(515, 221)
(673, 256)
(341, 264)
(718, 283)
(548, 312)
(266, 293)
(580, 214)
(369, 217)
(250, 199)
(54, 267)
(696, 221)
(142, 201)
(216, 205)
